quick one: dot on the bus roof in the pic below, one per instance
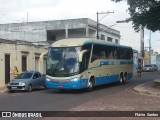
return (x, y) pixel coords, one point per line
(80, 42)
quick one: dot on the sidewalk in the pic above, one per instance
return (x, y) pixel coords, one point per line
(3, 89)
(148, 88)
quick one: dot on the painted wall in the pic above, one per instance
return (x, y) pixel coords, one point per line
(16, 51)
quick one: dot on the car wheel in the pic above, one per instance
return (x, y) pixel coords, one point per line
(29, 88)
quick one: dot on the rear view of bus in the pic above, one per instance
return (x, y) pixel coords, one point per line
(71, 64)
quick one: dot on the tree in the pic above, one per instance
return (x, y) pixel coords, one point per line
(144, 13)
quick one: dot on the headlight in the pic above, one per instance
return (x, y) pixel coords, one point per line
(22, 83)
(74, 79)
(48, 79)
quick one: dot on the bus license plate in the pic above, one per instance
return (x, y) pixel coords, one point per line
(60, 86)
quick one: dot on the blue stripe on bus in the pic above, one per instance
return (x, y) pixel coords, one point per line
(123, 62)
(83, 83)
(107, 79)
(103, 63)
(130, 62)
(79, 84)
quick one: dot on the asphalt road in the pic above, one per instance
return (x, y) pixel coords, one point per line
(51, 100)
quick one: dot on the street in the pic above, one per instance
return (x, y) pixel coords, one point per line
(52, 100)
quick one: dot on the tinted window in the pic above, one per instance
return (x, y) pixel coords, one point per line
(111, 52)
(36, 75)
(147, 66)
(98, 52)
(24, 76)
(39, 74)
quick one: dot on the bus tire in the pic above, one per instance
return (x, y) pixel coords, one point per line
(124, 78)
(120, 79)
(90, 85)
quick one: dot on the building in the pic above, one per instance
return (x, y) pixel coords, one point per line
(36, 37)
(24, 55)
(58, 29)
(155, 58)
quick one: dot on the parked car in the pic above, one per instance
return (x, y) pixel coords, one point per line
(147, 68)
(155, 67)
(27, 81)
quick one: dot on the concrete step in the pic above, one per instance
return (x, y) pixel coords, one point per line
(157, 83)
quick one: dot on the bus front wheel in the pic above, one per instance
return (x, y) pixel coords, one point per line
(90, 85)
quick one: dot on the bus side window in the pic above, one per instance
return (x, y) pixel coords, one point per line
(120, 53)
(115, 53)
(111, 52)
(98, 53)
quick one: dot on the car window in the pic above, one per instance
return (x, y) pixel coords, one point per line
(24, 76)
(147, 66)
(36, 75)
(39, 74)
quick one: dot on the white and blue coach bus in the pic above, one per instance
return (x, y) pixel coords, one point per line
(85, 62)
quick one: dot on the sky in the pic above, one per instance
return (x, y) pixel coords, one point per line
(15, 11)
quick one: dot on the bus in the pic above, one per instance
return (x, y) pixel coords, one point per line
(86, 62)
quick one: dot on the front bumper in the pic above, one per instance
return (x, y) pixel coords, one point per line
(13, 88)
(80, 84)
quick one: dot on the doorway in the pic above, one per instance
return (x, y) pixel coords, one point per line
(37, 63)
(7, 69)
(24, 63)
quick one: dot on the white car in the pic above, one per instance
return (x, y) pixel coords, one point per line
(148, 68)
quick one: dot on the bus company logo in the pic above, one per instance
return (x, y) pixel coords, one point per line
(6, 114)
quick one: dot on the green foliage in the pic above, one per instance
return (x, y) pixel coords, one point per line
(144, 13)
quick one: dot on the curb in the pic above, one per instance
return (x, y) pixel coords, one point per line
(3, 89)
(157, 83)
(147, 88)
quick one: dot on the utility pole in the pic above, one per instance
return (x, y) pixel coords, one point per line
(97, 26)
(101, 19)
(142, 41)
(150, 48)
(27, 18)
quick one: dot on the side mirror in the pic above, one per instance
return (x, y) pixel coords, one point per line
(41, 61)
(81, 55)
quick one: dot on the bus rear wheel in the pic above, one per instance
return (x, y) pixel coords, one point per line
(124, 78)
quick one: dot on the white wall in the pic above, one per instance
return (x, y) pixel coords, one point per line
(110, 35)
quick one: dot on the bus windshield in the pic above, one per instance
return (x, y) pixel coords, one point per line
(63, 61)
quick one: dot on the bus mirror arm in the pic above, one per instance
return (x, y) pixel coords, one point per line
(41, 61)
(81, 55)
